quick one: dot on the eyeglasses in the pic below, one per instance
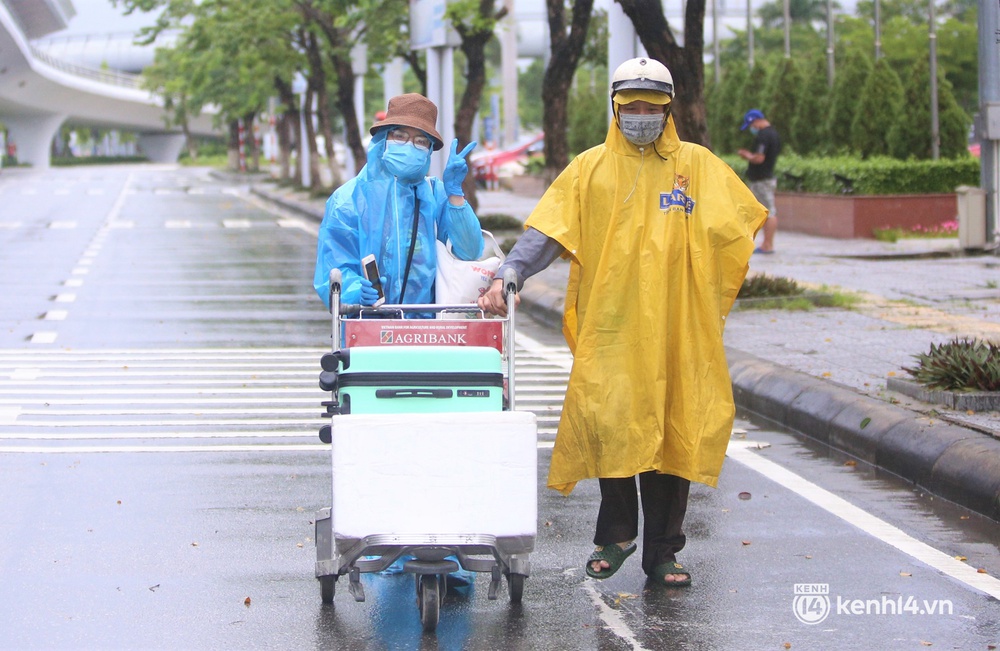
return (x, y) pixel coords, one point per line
(401, 137)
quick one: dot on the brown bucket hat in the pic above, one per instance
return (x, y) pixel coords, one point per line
(412, 110)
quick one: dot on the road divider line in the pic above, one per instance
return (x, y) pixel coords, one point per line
(612, 618)
(128, 449)
(741, 451)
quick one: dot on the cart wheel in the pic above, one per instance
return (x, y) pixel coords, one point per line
(327, 588)
(515, 585)
(429, 597)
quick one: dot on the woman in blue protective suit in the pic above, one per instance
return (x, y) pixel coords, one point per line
(394, 211)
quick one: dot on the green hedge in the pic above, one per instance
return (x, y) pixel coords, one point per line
(871, 176)
(69, 161)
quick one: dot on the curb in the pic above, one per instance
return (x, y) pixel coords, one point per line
(958, 464)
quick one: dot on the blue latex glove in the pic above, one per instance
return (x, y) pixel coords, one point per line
(368, 292)
(456, 169)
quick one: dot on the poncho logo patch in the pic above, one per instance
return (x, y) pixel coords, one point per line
(677, 200)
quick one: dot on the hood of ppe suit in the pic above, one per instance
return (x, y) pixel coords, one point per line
(373, 214)
(659, 243)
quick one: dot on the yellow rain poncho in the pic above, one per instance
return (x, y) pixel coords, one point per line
(659, 249)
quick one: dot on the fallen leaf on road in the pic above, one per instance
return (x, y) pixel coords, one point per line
(194, 544)
(905, 574)
(964, 517)
(961, 558)
(892, 373)
(787, 645)
(744, 495)
(852, 462)
(153, 588)
(827, 374)
(864, 423)
(299, 545)
(808, 557)
(246, 602)
(971, 412)
(746, 542)
(982, 570)
(926, 643)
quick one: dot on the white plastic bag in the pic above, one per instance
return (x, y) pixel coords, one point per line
(464, 281)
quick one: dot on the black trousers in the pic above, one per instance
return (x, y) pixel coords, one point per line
(664, 504)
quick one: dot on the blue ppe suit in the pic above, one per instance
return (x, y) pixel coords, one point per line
(373, 214)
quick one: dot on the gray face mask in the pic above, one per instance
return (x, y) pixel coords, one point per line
(641, 129)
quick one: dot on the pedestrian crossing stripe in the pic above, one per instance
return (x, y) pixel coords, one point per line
(196, 400)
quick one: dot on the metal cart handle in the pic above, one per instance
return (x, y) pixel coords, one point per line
(510, 292)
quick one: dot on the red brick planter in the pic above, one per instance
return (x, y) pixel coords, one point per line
(850, 216)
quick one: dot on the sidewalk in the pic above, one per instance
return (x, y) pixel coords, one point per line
(824, 372)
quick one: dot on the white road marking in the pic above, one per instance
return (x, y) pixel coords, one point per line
(64, 298)
(95, 191)
(312, 229)
(177, 223)
(55, 315)
(73, 282)
(121, 223)
(44, 337)
(8, 415)
(127, 449)
(611, 617)
(25, 373)
(62, 224)
(80, 271)
(880, 529)
(236, 223)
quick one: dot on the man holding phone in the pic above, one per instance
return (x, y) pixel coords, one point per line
(659, 233)
(390, 214)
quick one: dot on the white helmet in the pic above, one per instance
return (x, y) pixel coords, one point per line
(642, 74)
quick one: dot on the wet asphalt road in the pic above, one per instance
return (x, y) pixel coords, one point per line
(159, 469)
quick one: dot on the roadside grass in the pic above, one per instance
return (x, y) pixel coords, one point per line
(763, 292)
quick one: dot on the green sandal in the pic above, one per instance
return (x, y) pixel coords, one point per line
(671, 567)
(614, 555)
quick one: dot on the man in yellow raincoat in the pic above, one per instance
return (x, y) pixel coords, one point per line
(659, 233)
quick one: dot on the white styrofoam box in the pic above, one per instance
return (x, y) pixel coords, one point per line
(447, 473)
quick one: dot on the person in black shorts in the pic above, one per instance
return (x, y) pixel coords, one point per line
(762, 156)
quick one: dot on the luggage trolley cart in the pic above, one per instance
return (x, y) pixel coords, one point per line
(429, 459)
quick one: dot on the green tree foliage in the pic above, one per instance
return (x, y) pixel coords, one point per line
(953, 122)
(754, 91)
(783, 101)
(588, 109)
(847, 85)
(911, 134)
(529, 94)
(725, 110)
(878, 109)
(809, 126)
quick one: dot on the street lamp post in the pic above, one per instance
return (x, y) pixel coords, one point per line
(788, 28)
(829, 43)
(935, 123)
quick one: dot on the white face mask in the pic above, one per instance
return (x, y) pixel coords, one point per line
(641, 129)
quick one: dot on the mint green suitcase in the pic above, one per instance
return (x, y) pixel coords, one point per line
(420, 379)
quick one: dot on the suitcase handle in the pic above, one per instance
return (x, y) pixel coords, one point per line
(413, 393)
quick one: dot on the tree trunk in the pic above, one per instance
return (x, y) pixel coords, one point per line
(416, 66)
(345, 106)
(566, 49)
(288, 127)
(317, 81)
(233, 148)
(685, 63)
(310, 155)
(474, 47)
(251, 151)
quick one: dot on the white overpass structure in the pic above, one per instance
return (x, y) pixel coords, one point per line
(39, 92)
